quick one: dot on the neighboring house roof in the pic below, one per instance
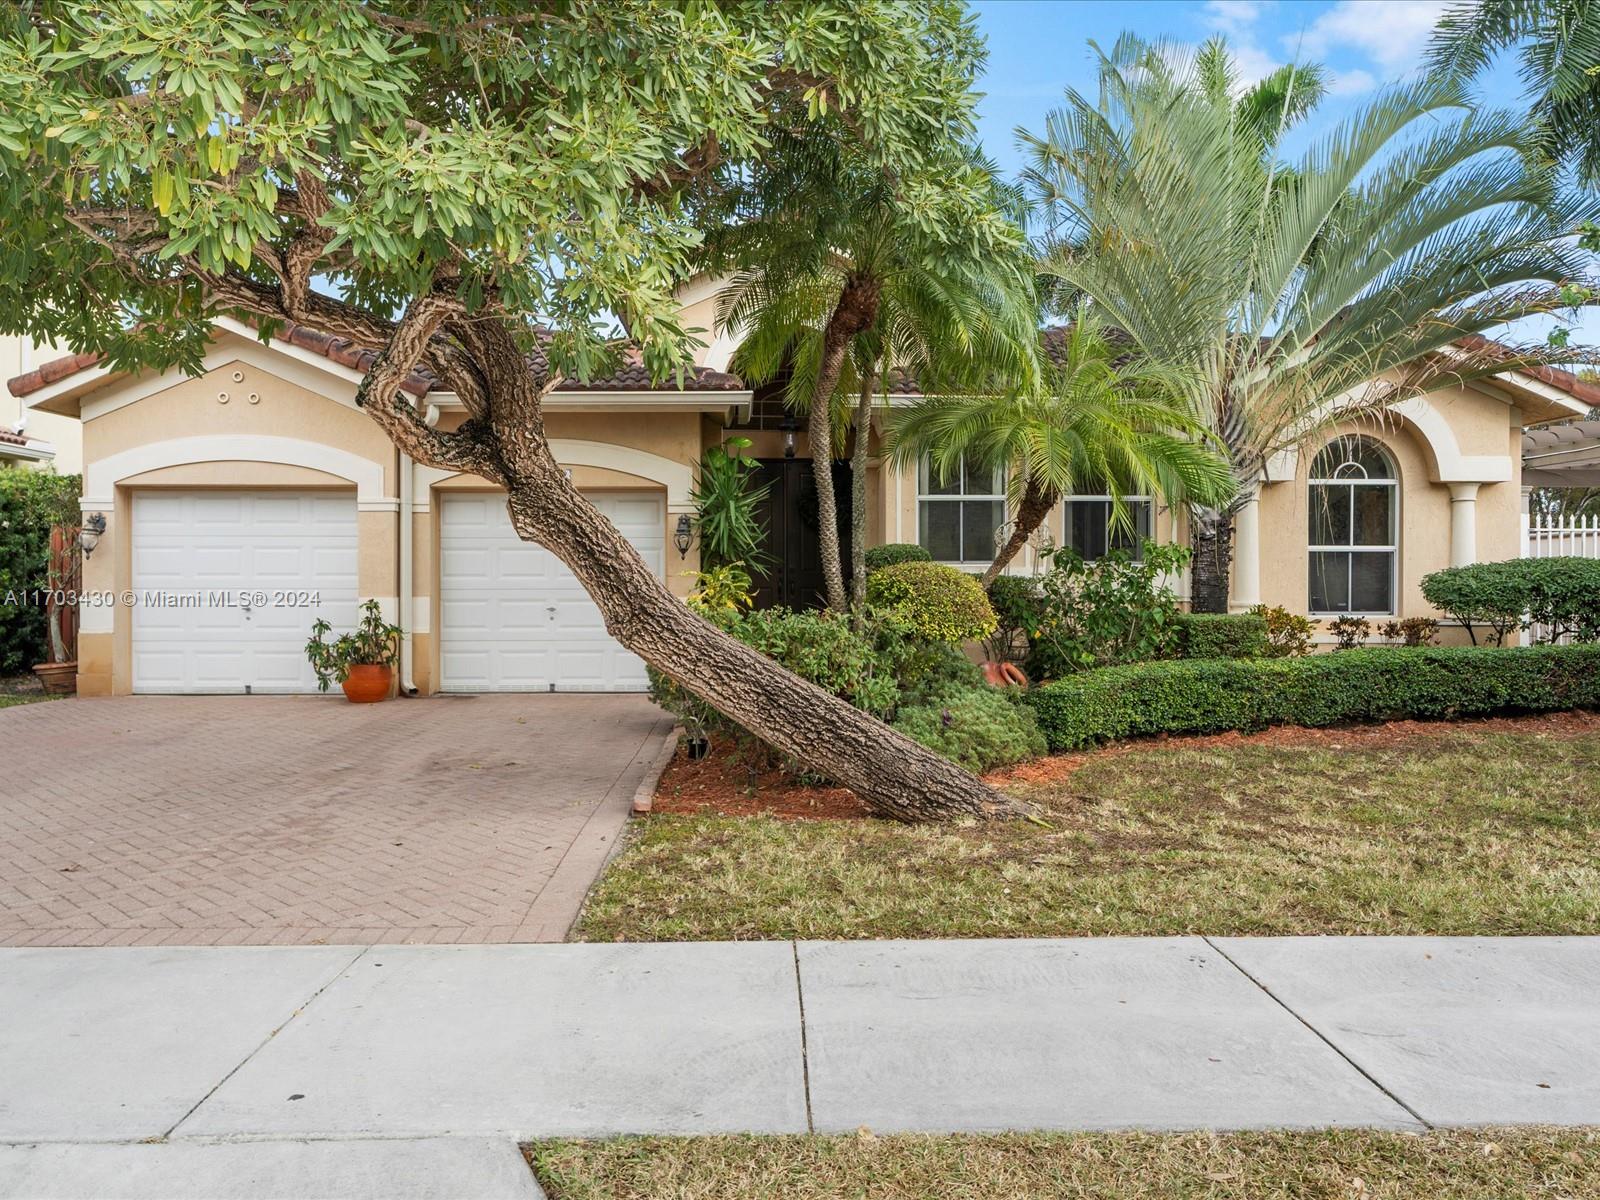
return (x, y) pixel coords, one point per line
(1562, 455)
(15, 446)
(632, 377)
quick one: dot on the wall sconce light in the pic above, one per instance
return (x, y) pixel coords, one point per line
(89, 536)
(789, 426)
(682, 536)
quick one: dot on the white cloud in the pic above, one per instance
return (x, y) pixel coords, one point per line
(1233, 16)
(1392, 34)
(1350, 83)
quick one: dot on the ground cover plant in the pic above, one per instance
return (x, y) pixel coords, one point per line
(1484, 827)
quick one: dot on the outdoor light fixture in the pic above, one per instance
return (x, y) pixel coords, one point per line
(789, 426)
(89, 536)
(681, 537)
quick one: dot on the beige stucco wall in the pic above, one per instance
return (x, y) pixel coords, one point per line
(192, 408)
(1483, 428)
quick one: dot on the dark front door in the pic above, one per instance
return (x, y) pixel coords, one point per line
(793, 577)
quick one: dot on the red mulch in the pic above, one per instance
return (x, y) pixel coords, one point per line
(724, 783)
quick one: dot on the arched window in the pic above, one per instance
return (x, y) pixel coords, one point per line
(1355, 524)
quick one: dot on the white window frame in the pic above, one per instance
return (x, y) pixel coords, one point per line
(925, 468)
(1105, 498)
(1349, 483)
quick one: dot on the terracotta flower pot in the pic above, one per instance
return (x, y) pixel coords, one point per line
(59, 679)
(367, 684)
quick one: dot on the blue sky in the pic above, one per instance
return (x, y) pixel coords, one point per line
(1038, 48)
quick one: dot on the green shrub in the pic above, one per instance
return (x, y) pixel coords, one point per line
(727, 504)
(1562, 593)
(1386, 683)
(980, 728)
(933, 602)
(895, 553)
(1222, 635)
(30, 503)
(1288, 634)
(818, 646)
(1111, 610)
(1015, 599)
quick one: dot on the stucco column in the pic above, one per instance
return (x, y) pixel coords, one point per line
(1246, 591)
(1463, 524)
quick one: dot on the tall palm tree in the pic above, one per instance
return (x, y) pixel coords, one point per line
(841, 280)
(1100, 418)
(1351, 280)
(1259, 113)
(1559, 63)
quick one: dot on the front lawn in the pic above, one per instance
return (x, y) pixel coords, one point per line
(1334, 1165)
(1484, 828)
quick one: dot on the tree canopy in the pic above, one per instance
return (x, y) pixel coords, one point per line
(548, 163)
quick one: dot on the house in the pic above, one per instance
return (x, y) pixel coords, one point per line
(34, 439)
(243, 503)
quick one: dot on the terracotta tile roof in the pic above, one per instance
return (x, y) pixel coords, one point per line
(1565, 381)
(7, 438)
(1052, 337)
(631, 378)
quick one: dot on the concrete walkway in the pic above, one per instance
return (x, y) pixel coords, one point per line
(402, 1071)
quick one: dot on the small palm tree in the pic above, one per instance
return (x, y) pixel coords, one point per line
(1560, 64)
(1101, 419)
(841, 281)
(1352, 280)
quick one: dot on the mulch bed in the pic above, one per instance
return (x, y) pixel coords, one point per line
(726, 783)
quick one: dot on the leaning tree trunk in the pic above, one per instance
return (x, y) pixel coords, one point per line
(856, 310)
(858, 497)
(1211, 539)
(505, 442)
(1033, 507)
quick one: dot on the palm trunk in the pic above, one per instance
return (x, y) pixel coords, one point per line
(1211, 539)
(858, 497)
(1032, 508)
(856, 310)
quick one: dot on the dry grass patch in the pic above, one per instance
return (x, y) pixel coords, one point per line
(1335, 1165)
(1448, 831)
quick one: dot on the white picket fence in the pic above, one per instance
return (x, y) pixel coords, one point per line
(1577, 536)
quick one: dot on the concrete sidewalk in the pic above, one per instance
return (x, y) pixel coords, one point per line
(257, 1069)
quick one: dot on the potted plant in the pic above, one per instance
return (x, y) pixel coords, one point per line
(362, 660)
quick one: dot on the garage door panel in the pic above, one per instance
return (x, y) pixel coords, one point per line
(200, 546)
(497, 630)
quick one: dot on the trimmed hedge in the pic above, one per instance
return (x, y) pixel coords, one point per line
(1562, 592)
(889, 555)
(934, 602)
(1379, 684)
(1222, 635)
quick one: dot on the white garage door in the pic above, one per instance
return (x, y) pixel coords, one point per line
(203, 562)
(514, 619)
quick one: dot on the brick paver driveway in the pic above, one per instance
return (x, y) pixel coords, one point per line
(296, 820)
